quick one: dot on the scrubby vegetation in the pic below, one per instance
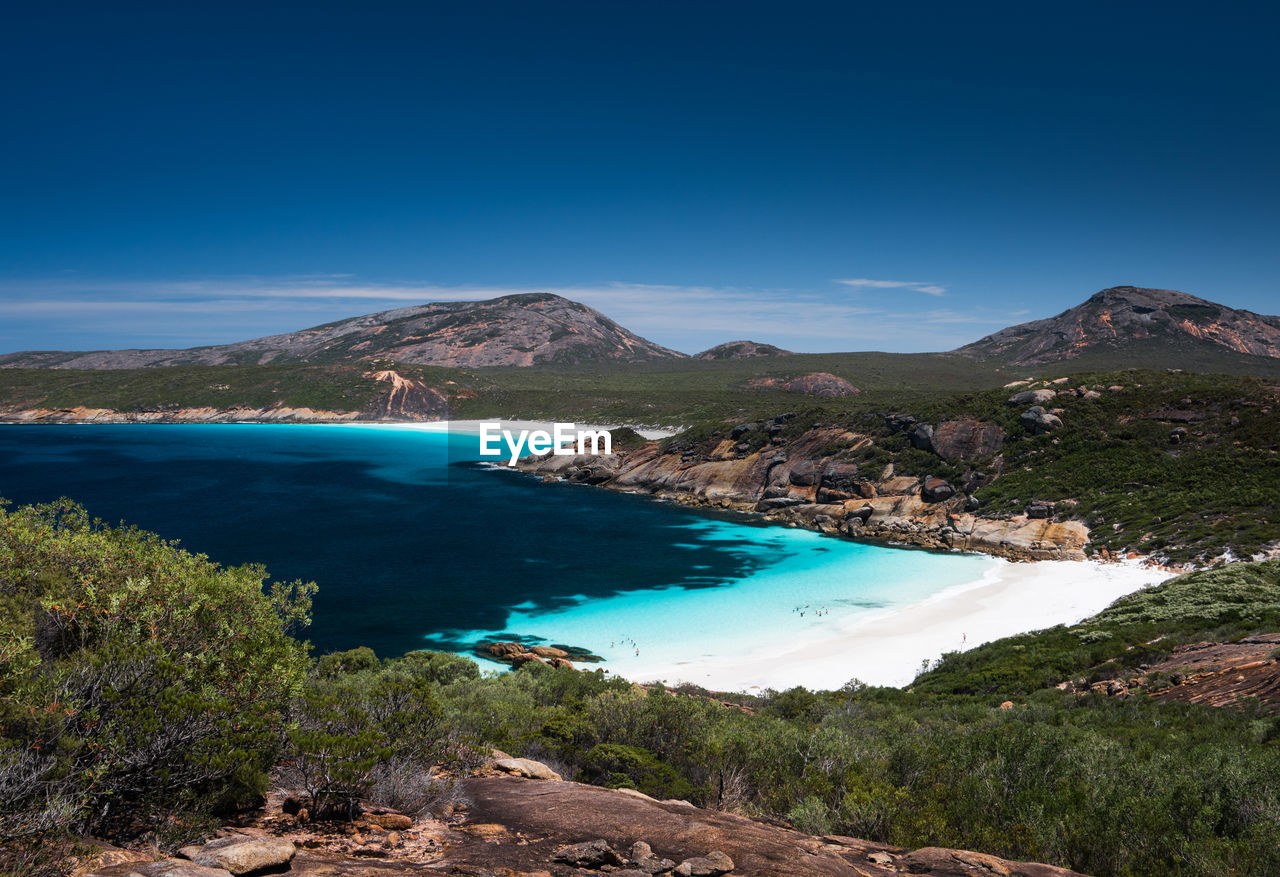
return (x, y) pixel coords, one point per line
(143, 690)
(138, 682)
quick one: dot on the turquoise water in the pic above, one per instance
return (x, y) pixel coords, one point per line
(414, 544)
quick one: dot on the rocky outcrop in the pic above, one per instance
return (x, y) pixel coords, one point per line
(796, 481)
(517, 654)
(1220, 674)
(741, 350)
(245, 855)
(613, 832)
(820, 384)
(407, 399)
(967, 439)
(510, 826)
(526, 767)
(515, 330)
(1037, 421)
(1126, 316)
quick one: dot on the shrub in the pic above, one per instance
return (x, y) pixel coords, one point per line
(138, 679)
(632, 767)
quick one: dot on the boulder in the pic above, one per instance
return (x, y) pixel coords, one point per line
(967, 439)
(862, 514)
(1039, 510)
(936, 490)
(742, 429)
(806, 473)
(592, 854)
(781, 502)
(1037, 421)
(1178, 435)
(549, 652)
(526, 767)
(244, 855)
(921, 437)
(504, 650)
(643, 859)
(1032, 397)
(900, 422)
(711, 865)
(390, 821)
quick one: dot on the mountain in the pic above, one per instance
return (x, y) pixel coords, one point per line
(741, 350)
(1129, 319)
(514, 330)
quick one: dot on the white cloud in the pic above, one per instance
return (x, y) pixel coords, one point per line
(866, 283)
(689, 318)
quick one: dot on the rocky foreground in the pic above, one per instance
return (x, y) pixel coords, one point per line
(519, 819)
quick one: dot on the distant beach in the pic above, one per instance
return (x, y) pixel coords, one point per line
(888, 648)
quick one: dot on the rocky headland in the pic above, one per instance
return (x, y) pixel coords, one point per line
(810, 480)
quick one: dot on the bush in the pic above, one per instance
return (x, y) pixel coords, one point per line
(138, 679)
(632, 767)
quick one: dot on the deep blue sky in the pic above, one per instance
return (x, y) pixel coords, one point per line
(185, 173)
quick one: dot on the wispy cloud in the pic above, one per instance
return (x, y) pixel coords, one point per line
(867, 283)
(77, 314)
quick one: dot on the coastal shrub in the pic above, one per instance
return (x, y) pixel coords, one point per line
(138, 680)
(336, 664)
(352, 732)
(633, 767)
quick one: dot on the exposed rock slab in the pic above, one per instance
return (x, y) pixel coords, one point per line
(245, 855)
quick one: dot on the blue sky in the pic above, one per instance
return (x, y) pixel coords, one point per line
(824, 176)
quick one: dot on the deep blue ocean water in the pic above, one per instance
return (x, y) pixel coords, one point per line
(416, 545)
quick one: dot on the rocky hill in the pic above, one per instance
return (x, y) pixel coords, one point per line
(741, 350)
(1135, 319)
(515, 330)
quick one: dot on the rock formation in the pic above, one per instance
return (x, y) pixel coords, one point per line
(820, 384)
(796, 481)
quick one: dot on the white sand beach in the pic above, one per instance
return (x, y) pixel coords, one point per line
(888, 648)
(472, 427)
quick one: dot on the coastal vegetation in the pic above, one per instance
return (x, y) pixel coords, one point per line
(146, 690)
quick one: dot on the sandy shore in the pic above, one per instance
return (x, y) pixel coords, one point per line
(888, 648)
(472, 427)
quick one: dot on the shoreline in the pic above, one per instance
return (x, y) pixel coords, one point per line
(888, 648)
(469, 426)
(884, 647)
